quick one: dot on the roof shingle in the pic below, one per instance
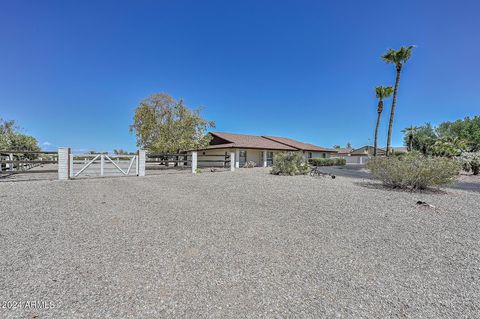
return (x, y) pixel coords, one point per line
(263, 142)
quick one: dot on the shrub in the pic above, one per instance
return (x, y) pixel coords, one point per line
(289, 163)
(327, 161)
(471, 162)
(414, 171)
(249, 164)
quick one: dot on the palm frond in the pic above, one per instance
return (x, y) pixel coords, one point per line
(383, 92)
(399, 56)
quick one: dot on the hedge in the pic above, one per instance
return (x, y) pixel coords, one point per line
(327, 161)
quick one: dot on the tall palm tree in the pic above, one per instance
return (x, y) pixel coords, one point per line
(398, 58)
(410, 133)
(382, 92)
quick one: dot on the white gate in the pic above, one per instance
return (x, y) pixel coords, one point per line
(94, 165)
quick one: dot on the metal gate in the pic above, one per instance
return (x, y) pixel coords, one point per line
(95, 165)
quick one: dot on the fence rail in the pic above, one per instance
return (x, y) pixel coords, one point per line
(27, 152)
(72, 165)
(22, 161)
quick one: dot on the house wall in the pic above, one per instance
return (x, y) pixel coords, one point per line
(317, 154)
(219, 155)
(254, 155)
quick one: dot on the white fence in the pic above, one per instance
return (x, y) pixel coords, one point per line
(99, 165)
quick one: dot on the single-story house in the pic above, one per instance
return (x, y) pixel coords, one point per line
(342, 152)
(259, 149)
(367, 150)
(362, 154)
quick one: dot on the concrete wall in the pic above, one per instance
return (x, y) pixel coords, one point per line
(358, 159)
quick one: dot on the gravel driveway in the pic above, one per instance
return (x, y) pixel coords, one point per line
(465, 181)
(242, 244)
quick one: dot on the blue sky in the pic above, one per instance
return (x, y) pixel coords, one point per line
(72, 72)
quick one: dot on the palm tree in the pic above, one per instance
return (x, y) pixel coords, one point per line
(410, 133)
(382, 92)
(398, 58)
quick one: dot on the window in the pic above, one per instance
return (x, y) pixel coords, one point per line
(242, 158)
(269, 158)
(310, 155)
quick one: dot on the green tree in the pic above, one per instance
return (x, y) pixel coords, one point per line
(164, 125)
(448, 147)
(467, 130)
(7, 130)
(12, 139)
(382, 92)
(423, 139)
(409, 134)
(399, 58)
(121, 152)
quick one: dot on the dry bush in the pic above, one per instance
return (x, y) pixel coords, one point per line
(414, 171)
(289, 163)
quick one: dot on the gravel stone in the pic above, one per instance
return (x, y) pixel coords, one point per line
(242, 244)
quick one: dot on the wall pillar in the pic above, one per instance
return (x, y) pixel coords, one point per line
(141, 162)
(64, 163)
(265, 164)
(232, 161)
(194, 162)
(237, 158)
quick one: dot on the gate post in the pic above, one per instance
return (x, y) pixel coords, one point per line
(71, 165)
(64, 163)
(194, 162)
(141, 162)
(232, 161)
(102, 163)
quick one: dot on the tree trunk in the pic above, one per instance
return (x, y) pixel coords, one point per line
(392, 111)
(375, 141)
(410, 144)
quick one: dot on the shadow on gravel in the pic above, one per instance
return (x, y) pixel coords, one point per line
(380, 186)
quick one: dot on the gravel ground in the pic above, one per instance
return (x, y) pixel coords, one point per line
(465, 181)
(242, 244)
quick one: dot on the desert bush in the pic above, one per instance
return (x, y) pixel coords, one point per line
(289, 163)
(249, 164)
(471, 162)
(327, 161)
(414, 171)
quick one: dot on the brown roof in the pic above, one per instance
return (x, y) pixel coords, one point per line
(367, 149)
(248, 141)
(262, 142)
(299, 145)
(346, 150)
